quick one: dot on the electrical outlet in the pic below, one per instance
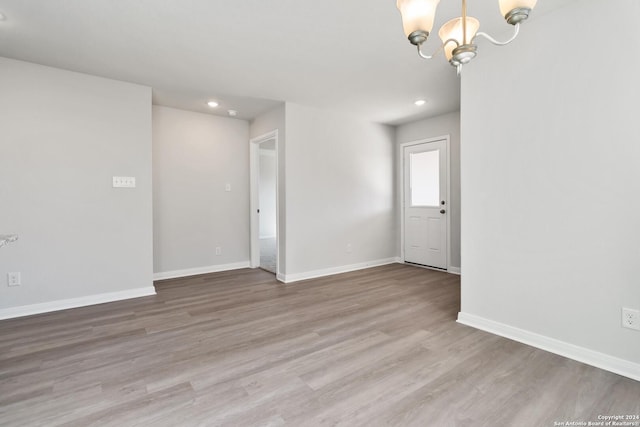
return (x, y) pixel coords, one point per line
(631, 319)
(124, 182)
(349, 248)
(218, 250)
(14, 279)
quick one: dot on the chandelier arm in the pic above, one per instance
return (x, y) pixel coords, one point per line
(496, 42)
(450, 40)
(422, 55)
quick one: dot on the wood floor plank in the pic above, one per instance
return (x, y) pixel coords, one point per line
(367, 348)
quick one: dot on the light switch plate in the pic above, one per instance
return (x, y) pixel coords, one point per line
(124, 182)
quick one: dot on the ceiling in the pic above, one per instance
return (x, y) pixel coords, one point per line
(250, 55)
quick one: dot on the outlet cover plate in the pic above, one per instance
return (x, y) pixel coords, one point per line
(124, 182)
(14, 279)
(631, 318)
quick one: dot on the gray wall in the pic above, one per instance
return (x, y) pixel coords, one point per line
(340, 190)
(64, 135)
(551, 178)
(194, 156)
(446, 124)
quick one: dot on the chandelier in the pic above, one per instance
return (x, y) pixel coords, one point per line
(458, 35)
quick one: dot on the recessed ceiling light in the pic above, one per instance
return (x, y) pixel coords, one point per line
(233, 113)
(420, 102)
(212, 104)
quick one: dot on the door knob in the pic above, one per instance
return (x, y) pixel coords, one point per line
(442, 203)
(442, 211)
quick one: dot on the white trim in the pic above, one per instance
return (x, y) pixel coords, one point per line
(46, 307)
(254, 171)
(571, 351)
(267, 237)
(288, 278)
(200, 270)
(402, 146)
(454, 270)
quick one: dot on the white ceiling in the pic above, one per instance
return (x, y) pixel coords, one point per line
(250, 55)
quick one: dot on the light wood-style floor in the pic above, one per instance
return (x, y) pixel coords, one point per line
(373, 347)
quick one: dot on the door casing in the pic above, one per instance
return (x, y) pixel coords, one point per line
(254, 203)
(401, 179)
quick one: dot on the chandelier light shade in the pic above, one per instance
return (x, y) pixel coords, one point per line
(515, 11)
(452, 38)
(417, 18)
(458, 35)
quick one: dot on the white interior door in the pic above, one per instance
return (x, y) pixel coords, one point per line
(267, 177)
(264, 227)
(425, 204)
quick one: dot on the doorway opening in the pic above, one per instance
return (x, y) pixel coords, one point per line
(425, 237)
(264, 202)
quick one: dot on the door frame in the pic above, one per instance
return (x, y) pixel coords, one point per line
(254, 198)
(446, 139)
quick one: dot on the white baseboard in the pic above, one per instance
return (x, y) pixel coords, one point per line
(571, 351)
(200, 270)
(454, 270)
(289, 278)
(46, 307)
